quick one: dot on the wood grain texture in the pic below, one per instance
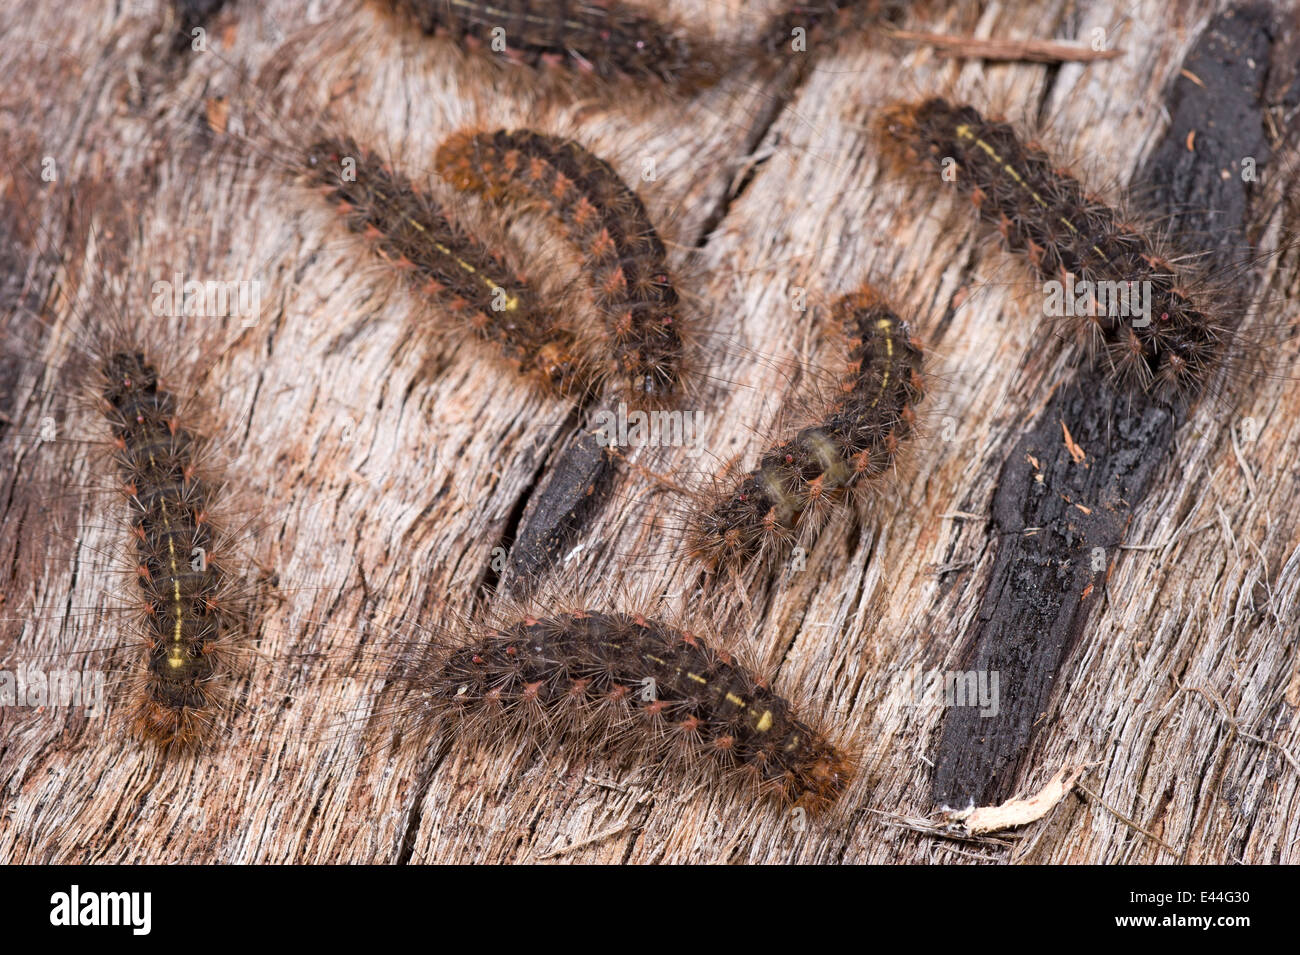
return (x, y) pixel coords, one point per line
(381, 479)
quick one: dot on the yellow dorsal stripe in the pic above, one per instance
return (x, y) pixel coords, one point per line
(176, 657)
(885, 325)
(730, 697)
(511, 301)
(965, 132)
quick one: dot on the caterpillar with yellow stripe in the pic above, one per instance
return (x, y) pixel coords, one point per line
(471, 281)
(631, 685)
(134, 572)
(855, 440)
(1153, 319)
(191, 616)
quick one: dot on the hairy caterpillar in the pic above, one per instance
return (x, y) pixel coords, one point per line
(99, 420)
(857, 437)
(629, 683)
(1067, 234)
(186, 609)
(447, 263)
(189, 619)
(623, 255)
(607, 38)
(814, 23)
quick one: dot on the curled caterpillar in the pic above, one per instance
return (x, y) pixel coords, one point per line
(623, 255)
(1046, 215)
(857, 438)
(189, 619)
(448, 264)
(607, 38)
(629, 682)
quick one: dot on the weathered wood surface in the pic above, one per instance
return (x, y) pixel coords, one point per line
(382, 482)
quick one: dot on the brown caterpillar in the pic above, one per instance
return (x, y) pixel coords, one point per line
(623, 255)
(626, 682)
(606, 38)
(819, 23)
(445, 262)
(857, 438)
(190, 612)
(129, 553)
(1069, 236)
